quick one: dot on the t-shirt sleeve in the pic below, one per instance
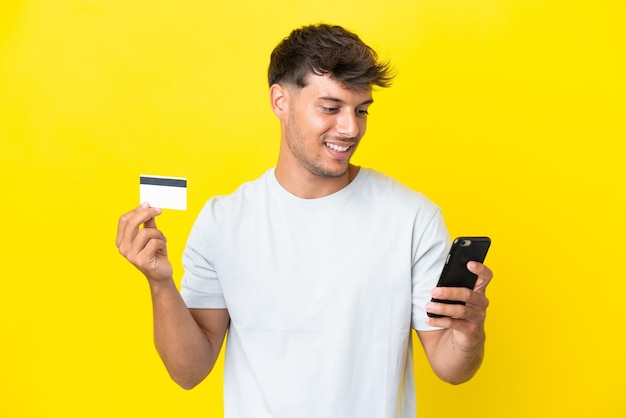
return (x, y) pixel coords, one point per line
(200, 286)
(429, 254)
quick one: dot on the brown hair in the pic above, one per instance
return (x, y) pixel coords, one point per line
(324, 49)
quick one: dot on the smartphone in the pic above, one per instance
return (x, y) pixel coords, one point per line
(455, 272)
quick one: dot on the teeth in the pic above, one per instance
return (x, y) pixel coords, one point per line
(337, 148)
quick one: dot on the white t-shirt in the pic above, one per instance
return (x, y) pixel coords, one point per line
(322, 294)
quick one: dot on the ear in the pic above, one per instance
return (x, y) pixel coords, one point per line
(279, 97)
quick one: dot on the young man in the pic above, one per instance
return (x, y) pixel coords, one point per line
(318, 269)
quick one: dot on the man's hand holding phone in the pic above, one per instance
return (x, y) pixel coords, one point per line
(459, 301)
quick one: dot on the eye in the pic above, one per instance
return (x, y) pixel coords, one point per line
(329, 110)
(362, 112)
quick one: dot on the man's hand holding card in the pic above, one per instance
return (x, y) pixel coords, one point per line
(138, 238)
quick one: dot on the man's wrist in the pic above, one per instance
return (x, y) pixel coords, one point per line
(160, 286)
(467, 348)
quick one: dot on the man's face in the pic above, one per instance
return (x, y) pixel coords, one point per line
(325, 124)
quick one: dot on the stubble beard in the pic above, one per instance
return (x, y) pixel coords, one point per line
(296, 142)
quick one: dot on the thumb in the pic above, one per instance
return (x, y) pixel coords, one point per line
(484, 275)
(151, 222)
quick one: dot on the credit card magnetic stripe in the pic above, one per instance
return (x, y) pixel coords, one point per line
(163, 181)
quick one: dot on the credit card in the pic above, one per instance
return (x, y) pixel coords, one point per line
(163, 192)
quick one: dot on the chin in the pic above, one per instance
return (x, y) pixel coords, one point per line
(327, 173)
(334, 172)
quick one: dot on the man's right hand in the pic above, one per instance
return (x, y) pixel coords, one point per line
(188, 341)
(144, 247)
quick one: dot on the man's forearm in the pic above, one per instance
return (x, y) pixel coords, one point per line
(183, 347)
(455, 363)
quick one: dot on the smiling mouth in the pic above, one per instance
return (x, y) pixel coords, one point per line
(338, 148)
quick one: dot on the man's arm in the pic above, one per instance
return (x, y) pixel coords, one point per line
(188, 341)
(456, 352)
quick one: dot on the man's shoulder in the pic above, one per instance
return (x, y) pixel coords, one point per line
(386, 186)
(243, 196)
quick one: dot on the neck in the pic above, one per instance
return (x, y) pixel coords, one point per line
(305, 185)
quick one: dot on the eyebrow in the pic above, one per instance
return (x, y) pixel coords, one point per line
(336, 100)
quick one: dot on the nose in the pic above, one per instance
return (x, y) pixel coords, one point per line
(348, 125)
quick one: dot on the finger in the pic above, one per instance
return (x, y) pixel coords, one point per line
(128, 225)
(121, 227)
(153, 262)
(452, 310)
(156, 247)
(151, 223)
(461, 294)
(445, 322)
(469, 312)
(150, 252)
(484, 275)
(143, 214)
(443, 309)
(143, 238)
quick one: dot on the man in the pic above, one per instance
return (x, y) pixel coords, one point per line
(318, 269)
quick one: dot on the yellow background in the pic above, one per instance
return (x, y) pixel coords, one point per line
(509, 114)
